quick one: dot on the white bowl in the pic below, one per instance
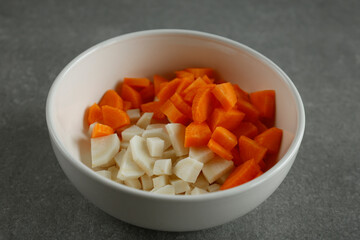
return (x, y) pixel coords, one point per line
(88, 76)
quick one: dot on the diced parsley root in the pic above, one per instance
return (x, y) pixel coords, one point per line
(192, 135)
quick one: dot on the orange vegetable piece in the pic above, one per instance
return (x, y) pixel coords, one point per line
(264, 101)
(251, 113)
(101, 130)
(260, 126)
(242, 174)
(197, 135)
(184, 74)
(147, 93)
(225, 94)
(249, 149)
(247, 129)
(173, 114)
(131, 95)
(207, 79)
(190, 91)
(219, 150)
(236, 156)
(200, 72)
(137, 82)
(94, 114)
(111, 98)
(114, 117)
(271, 139)
(202, 105)
(241, 94)
(158, 80)
(168, 89)
(180, 104)
(270, 160)
(259, 174)
(127, 105)
(228, 119)
(224, 137)
(153, 107)
(183, 85)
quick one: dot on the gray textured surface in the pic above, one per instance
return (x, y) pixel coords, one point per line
(315, 42)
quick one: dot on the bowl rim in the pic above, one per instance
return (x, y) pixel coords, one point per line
(292, 151)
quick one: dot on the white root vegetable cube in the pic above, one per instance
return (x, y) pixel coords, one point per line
(155, 146)
(128, 167)
(147, 183)
(160, 181)
(180, 185)
(222, 179)
(167, 189)
(134, 114)
(202, 154)
(133, 182)
(104, 173)
(198, 191)
(170, 153)
(160, 133)
(163, 167)
(156, 125)
(188, 169)
(188, 192)
(201, 181)
(91, 127)
(145, 120)
(103, 150)
(176, 133)
(215, 168)
(124, 145)
(213, 187)
(130, 132)
(114, 172)
(141, 154)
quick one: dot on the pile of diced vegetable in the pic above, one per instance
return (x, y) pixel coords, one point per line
(190, 135)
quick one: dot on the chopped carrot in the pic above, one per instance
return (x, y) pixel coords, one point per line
(131, 95)
(207, 79)
(200, 72)
(114, 117)
(228, 119)
(184, 74)
(147, 93)
(168, 90)
(197, 135)
(111, 98)
(270, 139)
(153, 107)
(259, 174)
(250, 149)
(157, 81)
(241, 94)
(127, 105)
(260, 126)
(183, 85)
(94, 114)
(264, 101)
(190, 91)
(270, 160)
(242, 174)
(101, 130)
(219, 150)
(173, 114)
(224, 137)
(225, 94)
(137, 82)
(247, 129)
(202, 105)
(180, 104)
(236, 156)
(251, 113)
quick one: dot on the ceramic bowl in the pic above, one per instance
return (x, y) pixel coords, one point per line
(143, 54)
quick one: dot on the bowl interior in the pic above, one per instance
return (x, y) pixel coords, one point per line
(85, 79)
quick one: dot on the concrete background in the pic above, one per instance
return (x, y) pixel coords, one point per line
(315, 42)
